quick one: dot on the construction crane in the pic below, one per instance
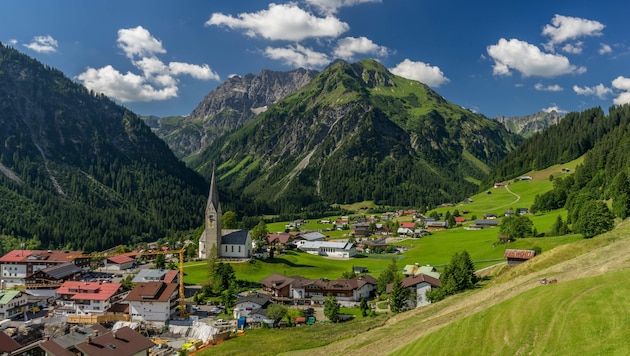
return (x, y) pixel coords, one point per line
(182, 297)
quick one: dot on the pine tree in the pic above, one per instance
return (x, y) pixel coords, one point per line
(398, 296)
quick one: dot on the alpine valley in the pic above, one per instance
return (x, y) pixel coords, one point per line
(287, 143)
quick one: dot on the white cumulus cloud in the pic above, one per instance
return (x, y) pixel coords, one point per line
(127, 87)
(332, 6)
(528, 59)
(600, 90)
(573, 48)
(622, 84)
(43, 44)
(281, 22)
(298, 56)
(566, 28)
(156, 81)
(138, 41)
(541, 87)
(348, 47)
(604, 48)
(13, 41)
(196, 71)
(420, 71)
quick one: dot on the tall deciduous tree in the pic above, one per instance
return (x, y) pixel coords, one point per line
(331, 308)
(229, 220)
(259, 233)
(516, 227)
(276, 312)
(593, 219)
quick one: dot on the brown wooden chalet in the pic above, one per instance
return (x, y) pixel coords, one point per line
(516, 257)
(53, 276)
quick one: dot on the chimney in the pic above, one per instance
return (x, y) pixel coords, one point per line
(95, 333)
(115, 334)
(88, 339)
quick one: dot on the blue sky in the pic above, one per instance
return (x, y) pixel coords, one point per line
(508, 58)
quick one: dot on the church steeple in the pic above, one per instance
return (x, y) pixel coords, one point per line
(213, 225)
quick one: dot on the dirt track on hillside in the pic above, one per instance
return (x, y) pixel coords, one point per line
(402, 329)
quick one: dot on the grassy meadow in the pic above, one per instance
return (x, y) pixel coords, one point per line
(586, 312)
(435, 249)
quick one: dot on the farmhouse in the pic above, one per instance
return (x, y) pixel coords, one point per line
(361, 229)
(329, 248)
(309, 236)
(516, 257)
(484, 224)
(53, 276)
(284, 288)
(416, 269)
(245, 306)
(418, 285)
(437, 225)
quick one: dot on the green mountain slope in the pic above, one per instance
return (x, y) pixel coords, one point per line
(78, 170)
(357, 132)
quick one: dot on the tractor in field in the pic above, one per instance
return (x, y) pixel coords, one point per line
(544, 281)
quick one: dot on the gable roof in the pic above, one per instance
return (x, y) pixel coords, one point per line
(312, 236)
(408, 225)
(414, 280)
(235, 237)
(149, 275)
(151, 292)
(39, 255)
(276, 281)
(62, 270)
(88, 290)
(7, 344)
(280, 237)
(520, 254)
(120, 259)
(124, 341)
(260, 299)
(7, 295)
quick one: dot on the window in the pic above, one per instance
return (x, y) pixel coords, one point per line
(232, 248)
(239, 249)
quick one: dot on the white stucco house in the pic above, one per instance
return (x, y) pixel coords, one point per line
(153, 301)
(329, 248)
(418, 285)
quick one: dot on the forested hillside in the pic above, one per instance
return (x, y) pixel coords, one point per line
(79, 171)
(575, 135)
(357, 132)
(599, 184)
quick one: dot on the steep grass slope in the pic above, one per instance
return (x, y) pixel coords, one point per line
(585, 313)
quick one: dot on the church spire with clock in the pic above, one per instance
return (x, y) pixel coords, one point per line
(211, 235)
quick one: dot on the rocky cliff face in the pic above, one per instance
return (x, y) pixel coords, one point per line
(231, 105)
(530, 124)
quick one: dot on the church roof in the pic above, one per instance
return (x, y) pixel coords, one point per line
(235, 237)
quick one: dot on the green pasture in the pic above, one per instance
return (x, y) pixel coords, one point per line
(435, 249)
(580, 317)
